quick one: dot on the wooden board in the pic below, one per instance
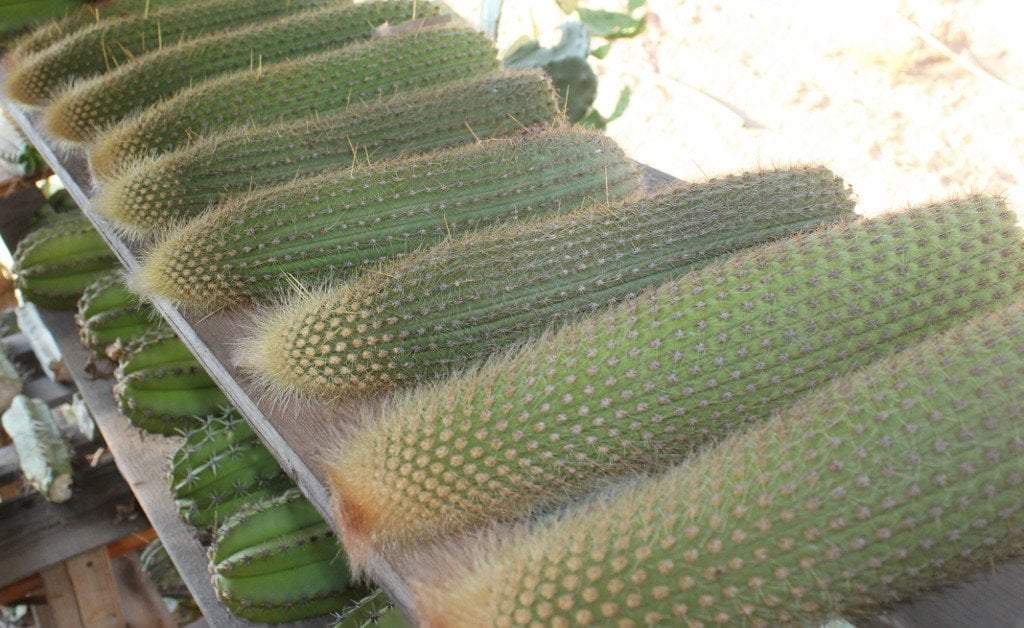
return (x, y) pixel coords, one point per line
(295, 433)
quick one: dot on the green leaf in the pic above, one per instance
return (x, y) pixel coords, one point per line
(609, 24)
(621, 104)
(601, 51)
(568, 6)
(636, 4)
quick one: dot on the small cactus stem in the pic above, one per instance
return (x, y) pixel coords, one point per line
(207, 515)
(80, 113)
(169, 398)
(217, 434)
(242, 464)
(156, 194)
(109, 44)
(901, 477)
(440, 309)
(43, 454)
(375, 609)
(109, 312)
(328, 227)
(648, 382)
(158, 346)
(319, 85)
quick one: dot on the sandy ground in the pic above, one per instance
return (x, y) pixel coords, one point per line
(866, 88)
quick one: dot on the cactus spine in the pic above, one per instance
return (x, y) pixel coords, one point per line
(80, 113)
(329, 226)
(322, 84)
(277, 561)
(652, 379)
(43, 455)
(373, 610)
(902, 477)
(111, 43)
(55, 263)
(158, 193)
(443, 308)
(108, 312)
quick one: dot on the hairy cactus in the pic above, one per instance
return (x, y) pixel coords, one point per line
(111, 43)
(179, 185)
(43, 454)
(647, 382)
(158, 346)
(109, 312)
(79, 114)
(222, 467)
(278, 561)
(439, 310)
(318, 85)
(904, 476)
(55, 263)
(328, 226)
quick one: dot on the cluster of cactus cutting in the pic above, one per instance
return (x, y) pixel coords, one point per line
(221, 468)
(109, 313)
(179, 185)
(80, 113)
(43, 455)
(329, 226)
(162, 390)
(277, 561)
(433, 312)
(317, 85)
(55, 263)
(647, 382)
(902, 477)
(111, 43)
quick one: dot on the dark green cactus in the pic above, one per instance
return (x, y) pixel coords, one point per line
(651, 380)
(443, 308)
(55, 263)
(79, 114)
(902, 477)
(108, 44)
(182, 184)
(108, 312)
(278, 561)
(330, 226)
(158, 346)
(318, 85)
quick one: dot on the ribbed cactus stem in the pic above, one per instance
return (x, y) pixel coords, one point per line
(330, 226)
(904, 476)
(108, 44)
(648, 382)
(158, 193)
(443, 308)
(168, 398)
(43, 455)
(158, 346)
(108, 312)
(79, 114)
(321, 85)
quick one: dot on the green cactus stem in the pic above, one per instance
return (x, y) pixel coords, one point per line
(651, 380)
(443, 308)
(108, 312)
(79, 114)
(278, 561)
(159, 193)
(373, 610)
(109, 44)
(43, 454)
(55, 263)
(322, 85)
(331, 226)
(158, 346)
(168, 398)
(896, 479)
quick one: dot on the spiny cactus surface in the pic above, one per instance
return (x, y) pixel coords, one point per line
(168, 398)
(79, 114)
(330, 226)
(651, 380)
(109, 312)
(108, 44)
(278, 561)
(901, 477)
(181, 184)
(441, 309)
(157, 346)
(55, 263)
(375, 609)
(318, 85)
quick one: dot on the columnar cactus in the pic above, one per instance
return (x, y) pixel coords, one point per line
(55, 263)
(43, 454)
(111, 43)
(158, 346)
(373, 610)
(441, 309)
(901, 477)
(184, 183)
(278, 561)
(79, 114)
(329, 226)
(651, 380)
(318, 85)
(109, 312)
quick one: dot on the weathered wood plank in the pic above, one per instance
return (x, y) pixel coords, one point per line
(92, 576)
(62, 609)
(141, 602)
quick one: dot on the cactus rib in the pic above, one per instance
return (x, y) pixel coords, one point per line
(168, 398)
(108, 312)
